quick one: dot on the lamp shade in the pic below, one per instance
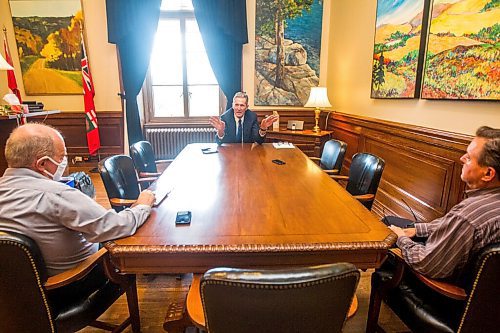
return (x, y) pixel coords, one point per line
(318, 98)
(4, 65)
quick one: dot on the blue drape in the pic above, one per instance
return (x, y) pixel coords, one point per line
(223, 27)
(131, 26)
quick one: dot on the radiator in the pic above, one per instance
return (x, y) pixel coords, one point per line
(168, 142)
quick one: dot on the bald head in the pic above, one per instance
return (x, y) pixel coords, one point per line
(28, 143)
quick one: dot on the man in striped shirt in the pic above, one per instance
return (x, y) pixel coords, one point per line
(470, 225)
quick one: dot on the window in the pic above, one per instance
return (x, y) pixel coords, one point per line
(180, 86)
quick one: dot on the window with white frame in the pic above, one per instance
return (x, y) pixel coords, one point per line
(180, 86)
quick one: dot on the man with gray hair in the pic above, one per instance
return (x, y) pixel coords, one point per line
(239, 124)
(452, 240)
(66, 224)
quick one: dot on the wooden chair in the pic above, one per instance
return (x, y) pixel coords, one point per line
(431, 305)
(365, 173)
(312, 299)
(66, 302)
(332, 156)
(120, 181)
(144, 160)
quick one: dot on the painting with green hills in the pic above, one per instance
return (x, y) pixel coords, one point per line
(463, 51)
(397, 54)
(48, 37)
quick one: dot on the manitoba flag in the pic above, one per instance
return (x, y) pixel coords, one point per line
(93, 140)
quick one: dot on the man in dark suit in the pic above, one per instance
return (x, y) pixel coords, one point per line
(239, 124)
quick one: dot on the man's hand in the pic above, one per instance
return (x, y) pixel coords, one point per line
(268, 121)
(408, 232)
(218, 124)
(146, 197)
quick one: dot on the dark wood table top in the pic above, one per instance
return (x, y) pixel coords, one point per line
(250, 212)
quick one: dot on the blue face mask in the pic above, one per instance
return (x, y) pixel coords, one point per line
(60, 167)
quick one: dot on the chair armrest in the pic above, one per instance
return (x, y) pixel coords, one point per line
(332, 172)
(121, 202)
(364, 197)
(75, 273)
(149, 174)
(163, 161)
(147, 179)
(442, 287)
(315, 159)
(194, 306)
(339, 177)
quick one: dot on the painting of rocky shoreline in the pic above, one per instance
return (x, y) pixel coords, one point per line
(287, 49)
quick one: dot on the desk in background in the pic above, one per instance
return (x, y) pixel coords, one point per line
(250, 212)
(311, 143)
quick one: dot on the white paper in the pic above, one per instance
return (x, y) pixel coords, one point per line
(283, 145)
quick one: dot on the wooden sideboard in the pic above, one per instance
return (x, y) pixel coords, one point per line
(311, 143)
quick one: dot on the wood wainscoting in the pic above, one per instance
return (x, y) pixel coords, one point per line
(72, 127)
(422, 165)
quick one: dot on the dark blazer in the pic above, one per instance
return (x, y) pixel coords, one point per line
(250, 128)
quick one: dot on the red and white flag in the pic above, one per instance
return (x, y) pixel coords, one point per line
(93, 139)
(11, 76)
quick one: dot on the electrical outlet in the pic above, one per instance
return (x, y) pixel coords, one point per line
(78, 159)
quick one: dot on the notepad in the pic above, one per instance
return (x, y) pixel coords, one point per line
(161, 194)
(283, 145)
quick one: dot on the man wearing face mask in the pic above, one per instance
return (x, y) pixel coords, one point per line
(65, 223)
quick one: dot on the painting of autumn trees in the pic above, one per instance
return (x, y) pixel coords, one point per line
(49, 48)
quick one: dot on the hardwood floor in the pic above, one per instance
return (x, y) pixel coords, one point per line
(156, 292)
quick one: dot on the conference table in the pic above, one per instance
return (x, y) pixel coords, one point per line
(248, 211)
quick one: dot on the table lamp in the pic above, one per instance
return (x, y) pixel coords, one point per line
(318, 98)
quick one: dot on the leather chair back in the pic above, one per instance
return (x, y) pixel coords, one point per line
(333, 154)
(481, 308)
(313, 299)
(119, 178)
(24, 306)
(365, 173)
(143, 157)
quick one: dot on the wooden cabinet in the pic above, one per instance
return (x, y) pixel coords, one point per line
(311, 143)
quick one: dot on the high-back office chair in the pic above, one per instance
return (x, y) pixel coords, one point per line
(365, 173)
(120, 181)
(67, 302)
(144, 159)
(312, 299)
(332, 156)
(428, 305)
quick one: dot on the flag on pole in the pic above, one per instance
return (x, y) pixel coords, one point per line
(11, 76)
(93, 139)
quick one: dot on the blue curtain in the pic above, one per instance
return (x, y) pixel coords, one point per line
(131, 26)
(223, 27)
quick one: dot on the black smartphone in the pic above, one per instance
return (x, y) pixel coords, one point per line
(183, 217)
(209, 150)
(279, 162)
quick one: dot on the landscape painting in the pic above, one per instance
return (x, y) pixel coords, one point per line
(463, 51)
(287, 50)
(398, 52)
(48, 37)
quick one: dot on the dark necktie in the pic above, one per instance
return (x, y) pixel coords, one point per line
(239, 134)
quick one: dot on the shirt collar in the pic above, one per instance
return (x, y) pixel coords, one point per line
(236, 118)
(22, 172)
(481, 191)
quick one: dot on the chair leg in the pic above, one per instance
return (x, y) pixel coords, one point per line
(373, 312)
(133, 305)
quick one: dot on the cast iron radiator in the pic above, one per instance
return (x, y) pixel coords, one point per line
(168, 142)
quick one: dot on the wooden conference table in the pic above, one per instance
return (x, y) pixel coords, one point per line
(250, 212)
